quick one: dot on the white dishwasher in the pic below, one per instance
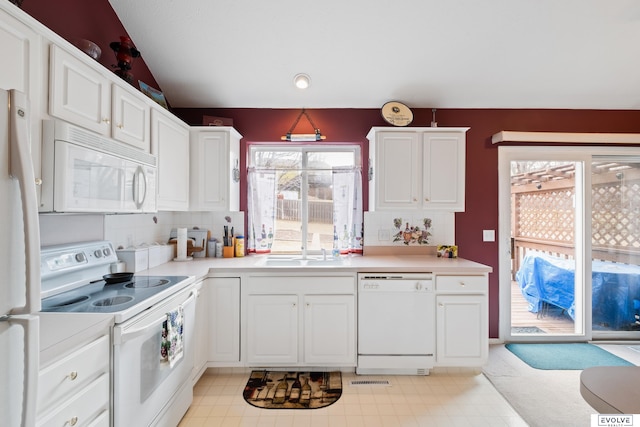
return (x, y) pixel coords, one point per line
(396, 323)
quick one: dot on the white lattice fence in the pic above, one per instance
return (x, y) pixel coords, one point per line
(544, 220)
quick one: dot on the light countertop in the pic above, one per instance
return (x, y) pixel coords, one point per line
(201, 267)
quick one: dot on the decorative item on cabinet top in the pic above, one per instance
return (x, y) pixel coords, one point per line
(125, 53)
(396, 113)
(154, 94)
(89, 47)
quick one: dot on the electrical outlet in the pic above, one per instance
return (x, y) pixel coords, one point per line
(384, 235)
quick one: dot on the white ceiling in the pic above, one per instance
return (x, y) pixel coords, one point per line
(577, 54)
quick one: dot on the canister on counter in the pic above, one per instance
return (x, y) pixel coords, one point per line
(211, 247)
(239, 246)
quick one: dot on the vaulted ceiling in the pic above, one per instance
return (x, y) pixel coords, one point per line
(575, 54)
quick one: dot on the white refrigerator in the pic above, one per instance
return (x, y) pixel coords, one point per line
(19, 265)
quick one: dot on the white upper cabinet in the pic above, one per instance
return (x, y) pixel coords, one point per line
(130, 118)
(83, 95)
(417, 168)
(443, 173)
(214, 169)
(170, 143)
(79, 94)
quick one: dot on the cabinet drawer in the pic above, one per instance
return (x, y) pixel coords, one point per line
(83, 408)
(462, 284)
(71, 373)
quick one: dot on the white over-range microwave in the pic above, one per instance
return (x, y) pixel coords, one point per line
(86, 172)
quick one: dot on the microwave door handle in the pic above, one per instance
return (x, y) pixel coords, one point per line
(139, 179)
(21, 168)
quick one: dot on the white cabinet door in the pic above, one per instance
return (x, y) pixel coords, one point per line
(462, 330)
(443, 173)
(214, 157)
(329, 330)
(272, 330)
(79, 93)
(170, 143)
(417, 168)
(397, 171)
(131, 119)
(224, 319)
(201, 332)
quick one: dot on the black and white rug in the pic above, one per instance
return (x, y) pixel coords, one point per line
(293, 390)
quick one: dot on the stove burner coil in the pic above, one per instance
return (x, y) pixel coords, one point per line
(109, 302)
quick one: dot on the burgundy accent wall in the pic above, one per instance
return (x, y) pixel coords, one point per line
(93, 20)
(481, 213)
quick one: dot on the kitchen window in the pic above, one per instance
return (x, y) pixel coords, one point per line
(304, 199)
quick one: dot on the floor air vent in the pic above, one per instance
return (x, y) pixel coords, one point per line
(370, 383)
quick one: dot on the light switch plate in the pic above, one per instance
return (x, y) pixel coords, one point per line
(488, 235)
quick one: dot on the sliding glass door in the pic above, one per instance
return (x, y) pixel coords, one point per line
(615, 246)
(570, 243)
(541, 195)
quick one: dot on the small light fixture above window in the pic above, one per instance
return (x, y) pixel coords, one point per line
(302, 81)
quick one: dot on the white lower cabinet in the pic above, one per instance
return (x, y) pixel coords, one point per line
(301, 321)
(462, 324)
(329, 322)
(201, 333)
(75, 388)
(272, 329)
(223, 294)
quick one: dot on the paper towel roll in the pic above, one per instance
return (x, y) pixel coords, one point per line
(182, 244)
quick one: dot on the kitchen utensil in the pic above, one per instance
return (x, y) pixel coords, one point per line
(117, 277)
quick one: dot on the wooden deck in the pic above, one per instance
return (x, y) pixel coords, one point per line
(552, 321)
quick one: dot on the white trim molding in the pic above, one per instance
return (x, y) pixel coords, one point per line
(566, 137)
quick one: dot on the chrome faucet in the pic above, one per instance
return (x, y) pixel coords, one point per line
(324, 254)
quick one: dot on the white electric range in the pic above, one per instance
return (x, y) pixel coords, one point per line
(150, 371)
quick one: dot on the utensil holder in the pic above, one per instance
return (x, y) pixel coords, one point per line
(229, 251)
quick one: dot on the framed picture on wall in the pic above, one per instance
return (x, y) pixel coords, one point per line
(153, 93)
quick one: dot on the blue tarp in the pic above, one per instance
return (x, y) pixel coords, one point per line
(615, 288)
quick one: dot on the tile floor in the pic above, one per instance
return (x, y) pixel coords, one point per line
(447, 397)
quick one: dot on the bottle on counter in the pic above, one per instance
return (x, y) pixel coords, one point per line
(336, 248)
(239, 245)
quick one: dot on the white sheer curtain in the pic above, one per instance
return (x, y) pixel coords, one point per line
(261, 194)
(347, 209)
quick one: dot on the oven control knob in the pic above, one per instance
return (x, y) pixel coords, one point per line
(80, 257)
(106, 251)
(98, 253)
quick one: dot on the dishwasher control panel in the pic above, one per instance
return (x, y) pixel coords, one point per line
(410, 282)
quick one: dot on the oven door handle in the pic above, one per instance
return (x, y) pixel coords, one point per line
(121, 336)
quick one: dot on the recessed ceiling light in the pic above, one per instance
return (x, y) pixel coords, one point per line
(302, 81)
